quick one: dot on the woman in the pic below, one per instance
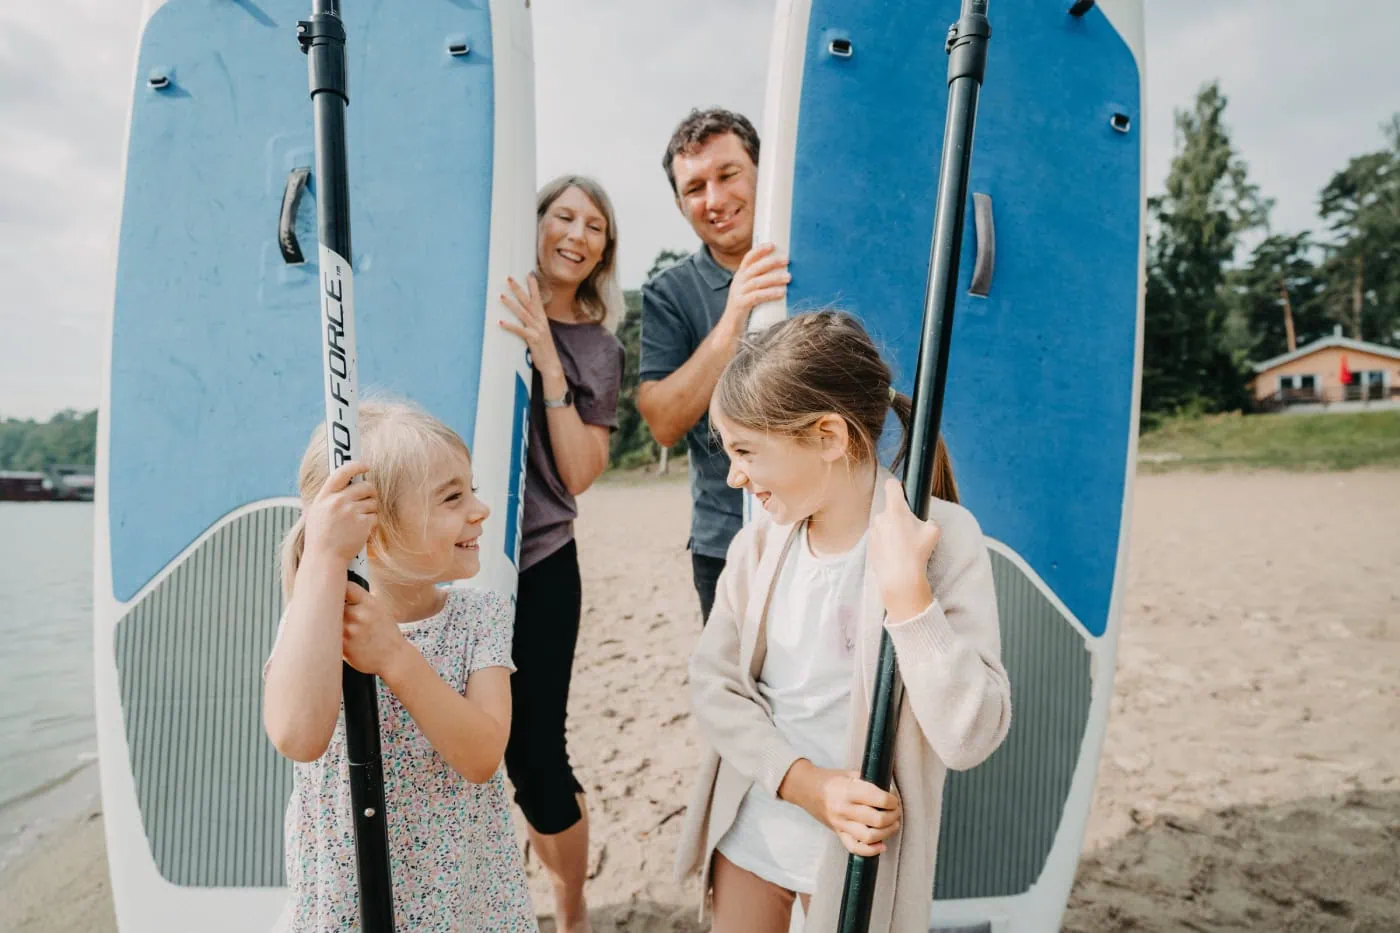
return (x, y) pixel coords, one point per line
(565, 314)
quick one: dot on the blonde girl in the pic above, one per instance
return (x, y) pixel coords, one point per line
(442, 659)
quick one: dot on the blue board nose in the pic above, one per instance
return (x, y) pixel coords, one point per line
(214, 387)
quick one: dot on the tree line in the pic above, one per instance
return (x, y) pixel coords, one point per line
(69, 437)
(1210, 310)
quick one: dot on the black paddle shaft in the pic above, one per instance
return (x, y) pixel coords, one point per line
(967, 62)
(322, 38)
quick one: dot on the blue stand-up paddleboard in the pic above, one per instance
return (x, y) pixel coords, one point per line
(214, 387)
(1040, 409)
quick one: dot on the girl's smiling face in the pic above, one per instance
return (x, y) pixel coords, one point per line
(789, 476)
(442, 528)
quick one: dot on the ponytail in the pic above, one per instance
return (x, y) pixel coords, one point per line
(903, 407)
(945, 487)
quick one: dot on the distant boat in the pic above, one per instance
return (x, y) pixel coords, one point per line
(73, 483)
(66, 483)
(25, 486)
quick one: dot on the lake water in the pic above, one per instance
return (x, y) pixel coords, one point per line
(48, 745)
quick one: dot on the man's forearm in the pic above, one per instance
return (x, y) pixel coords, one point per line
(673, 405)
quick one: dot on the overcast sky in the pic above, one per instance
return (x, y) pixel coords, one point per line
(1309, 84)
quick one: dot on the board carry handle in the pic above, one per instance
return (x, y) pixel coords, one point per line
(986, 245)
(287, 220)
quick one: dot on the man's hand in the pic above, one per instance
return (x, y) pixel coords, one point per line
(761, 277)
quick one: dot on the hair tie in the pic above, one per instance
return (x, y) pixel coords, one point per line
(893, 395)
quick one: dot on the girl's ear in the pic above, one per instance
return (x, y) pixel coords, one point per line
(833, 437)
(374, 547)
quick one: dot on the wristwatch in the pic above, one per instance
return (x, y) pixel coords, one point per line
(564, 402)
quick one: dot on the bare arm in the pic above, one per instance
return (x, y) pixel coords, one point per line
(673, 405)
(580, 448)
(301, 693)
(470, 731)
(301, 689)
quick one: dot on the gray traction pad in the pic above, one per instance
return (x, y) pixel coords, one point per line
(211, 788)
(1000, 818)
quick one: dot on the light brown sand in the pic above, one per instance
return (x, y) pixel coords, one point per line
(1251, 778)
(1251, 775)
(60, 885)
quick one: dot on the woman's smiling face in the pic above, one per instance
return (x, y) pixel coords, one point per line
(573, 235)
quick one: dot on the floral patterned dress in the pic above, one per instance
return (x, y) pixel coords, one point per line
(452, 848)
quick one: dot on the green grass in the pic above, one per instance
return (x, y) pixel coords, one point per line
(1278, 442)
(1313, 442)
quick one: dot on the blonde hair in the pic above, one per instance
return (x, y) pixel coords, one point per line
(599, 296)
(399, 442)
(784, 379)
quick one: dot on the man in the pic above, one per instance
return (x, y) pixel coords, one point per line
(694, 313)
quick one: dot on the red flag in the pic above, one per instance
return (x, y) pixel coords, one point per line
(1344, 372)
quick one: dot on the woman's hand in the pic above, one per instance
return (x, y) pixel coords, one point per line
(371, 641)
(342, 516)
(900, 548)
(531, 325)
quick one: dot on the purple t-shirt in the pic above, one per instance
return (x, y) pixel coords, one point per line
(592, 360)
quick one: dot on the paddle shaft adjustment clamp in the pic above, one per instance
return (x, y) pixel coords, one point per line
(967, 44)
(322, 38)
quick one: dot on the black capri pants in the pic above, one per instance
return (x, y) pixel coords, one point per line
(547, 611)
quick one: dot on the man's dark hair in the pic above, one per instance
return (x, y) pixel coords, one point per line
(700, 127)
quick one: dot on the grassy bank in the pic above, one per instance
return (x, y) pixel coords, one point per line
(1213, 442)
(1280, 442)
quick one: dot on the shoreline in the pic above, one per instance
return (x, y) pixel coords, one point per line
(29, 820)
(53, 859)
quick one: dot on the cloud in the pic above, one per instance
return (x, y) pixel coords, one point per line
(1308, 86)
(65, 67)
